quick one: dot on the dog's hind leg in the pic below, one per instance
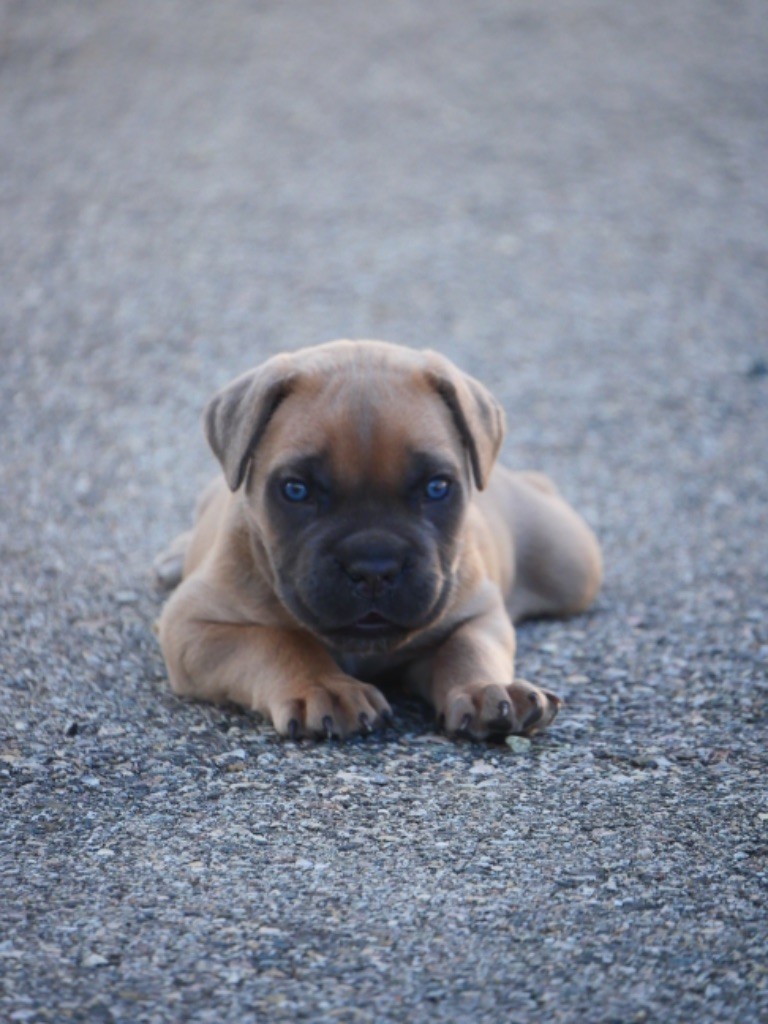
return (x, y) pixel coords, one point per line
(558, 565)
(169, 564)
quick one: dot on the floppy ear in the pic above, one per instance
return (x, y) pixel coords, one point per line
(478, 416)
(237, 416)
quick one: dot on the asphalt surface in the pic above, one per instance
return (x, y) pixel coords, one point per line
(571, 200)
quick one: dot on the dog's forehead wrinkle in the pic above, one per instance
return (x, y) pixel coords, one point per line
(367, 383)
(343, 410)
(351, 418)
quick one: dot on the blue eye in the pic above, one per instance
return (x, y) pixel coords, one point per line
(295, 490)
(438, 488)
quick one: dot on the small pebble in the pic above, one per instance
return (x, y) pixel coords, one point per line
(94, 960)
(518, 744)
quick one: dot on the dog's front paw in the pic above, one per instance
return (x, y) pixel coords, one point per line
(333, 706)
(484, 709)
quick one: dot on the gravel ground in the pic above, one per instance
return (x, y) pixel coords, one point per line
(570, 199)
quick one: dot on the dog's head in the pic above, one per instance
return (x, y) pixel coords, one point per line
(356, 462)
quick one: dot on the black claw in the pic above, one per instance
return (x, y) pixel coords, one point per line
(293, 729)
(505, 709)
(464, 727)
(388, 719)
(536, 714)
(365, 723)
(328, 726)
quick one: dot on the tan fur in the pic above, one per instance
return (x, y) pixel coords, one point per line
(227, 635)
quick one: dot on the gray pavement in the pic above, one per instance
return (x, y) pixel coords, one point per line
(571, 200)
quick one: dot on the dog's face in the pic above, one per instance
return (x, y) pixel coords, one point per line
(356, 462)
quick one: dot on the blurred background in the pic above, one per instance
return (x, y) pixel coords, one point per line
(568, 199)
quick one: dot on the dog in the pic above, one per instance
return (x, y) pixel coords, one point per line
(362, 532)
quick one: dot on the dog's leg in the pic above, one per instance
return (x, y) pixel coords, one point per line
(558, 561)
(472, 686)
(284, 674)
(169, 564)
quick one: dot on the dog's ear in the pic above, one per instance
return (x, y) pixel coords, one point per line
(478, 416)
(237, 416)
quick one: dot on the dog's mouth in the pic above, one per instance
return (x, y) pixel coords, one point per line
(373, 623)
(369, 628)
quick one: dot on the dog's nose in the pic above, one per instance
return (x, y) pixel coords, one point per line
(371, 563)
(373, 570)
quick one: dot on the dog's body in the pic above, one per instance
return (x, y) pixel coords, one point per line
(359, 533)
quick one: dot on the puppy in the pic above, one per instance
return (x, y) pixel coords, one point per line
(361, 532)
